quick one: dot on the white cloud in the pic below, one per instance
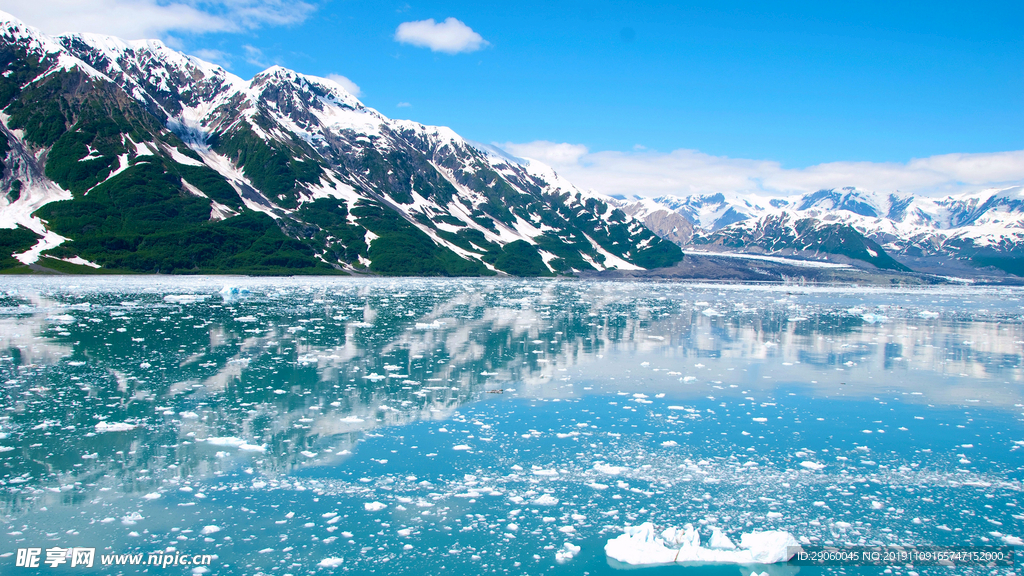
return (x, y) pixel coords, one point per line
(134, 19)
(349, 86)
(254, 56)
(450, 36)
(216, 56)
(685, 172)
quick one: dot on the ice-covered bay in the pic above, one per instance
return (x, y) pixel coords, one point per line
(302, 426)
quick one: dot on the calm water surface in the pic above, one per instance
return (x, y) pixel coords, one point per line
(316, 426)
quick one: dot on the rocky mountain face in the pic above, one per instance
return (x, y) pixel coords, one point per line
(130, 156)
(950, 235)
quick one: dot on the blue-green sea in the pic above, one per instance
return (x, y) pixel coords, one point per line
(462, 426)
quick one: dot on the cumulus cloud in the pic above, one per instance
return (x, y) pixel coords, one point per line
(450, 36)
(134, 19)
(349, 86)
(685, 172)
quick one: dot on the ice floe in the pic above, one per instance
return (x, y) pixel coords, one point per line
(643, 545)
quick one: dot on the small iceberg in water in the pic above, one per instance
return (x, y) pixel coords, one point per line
(643, 545)
(230, 293)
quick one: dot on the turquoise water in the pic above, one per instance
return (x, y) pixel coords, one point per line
(314, 426)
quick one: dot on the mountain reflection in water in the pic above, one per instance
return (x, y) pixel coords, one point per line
(121, 392)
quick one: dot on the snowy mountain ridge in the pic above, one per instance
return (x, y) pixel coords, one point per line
(986, 223)
(86, 116)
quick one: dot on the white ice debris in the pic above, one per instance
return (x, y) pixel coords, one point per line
(720, 541)
(114, 427)
(211, 529)
(811, 465)
(545, 500)
(236, 443)
(374, 506)
(185, 298)
(567, 552)
(643, 545)
(330, 562)
(607, 469)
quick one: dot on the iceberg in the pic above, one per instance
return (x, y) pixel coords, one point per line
(114, 427)
(643, 545)
(232, 293)
(566, 553)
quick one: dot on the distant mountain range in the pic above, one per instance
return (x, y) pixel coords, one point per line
(132, 157)
(962, 234)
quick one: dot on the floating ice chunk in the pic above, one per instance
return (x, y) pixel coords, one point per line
(308, 454)
(374, 506)
(720, 541)
(608, 469)
(6, 448)
(352, 419)
(131, 519)
(211, 529)
(114, 427)
(760, 419)
(677, 538)
(769, 547)
(1013, 541)
(428, 325)
(152, 496)
(546, 472)
(567, 552)
(229, 293)
(185, 298)
(235, 442)
(461, 447)
(331, 562)
(669, 444)
(641, 545)
(811, 465)
(225, 441)
(545, 500)
(245, 319)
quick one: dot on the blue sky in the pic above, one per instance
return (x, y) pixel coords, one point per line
(794, 84)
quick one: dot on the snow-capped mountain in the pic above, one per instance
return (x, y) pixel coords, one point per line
(981, 228)
(133, 156)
